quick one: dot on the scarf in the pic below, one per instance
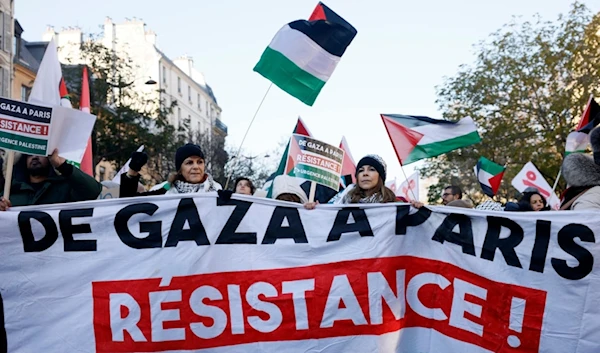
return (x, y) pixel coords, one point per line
(375, 198)
(571, 194)
(182, 187)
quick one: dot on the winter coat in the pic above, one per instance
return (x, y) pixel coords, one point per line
(71, 185)
(583, 177)
(129, 187)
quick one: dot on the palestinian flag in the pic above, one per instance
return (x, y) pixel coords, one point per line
(578, 140)
(419, 137)
(489, 175)
(65, 98)
(301, 129)
(348, 165)
(590, 118)
(303, 54)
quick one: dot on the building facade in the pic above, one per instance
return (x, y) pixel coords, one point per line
(154, 76)
(27, 57)
(6, 47)
(172, 80)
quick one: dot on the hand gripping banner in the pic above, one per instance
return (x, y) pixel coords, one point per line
(196, 274)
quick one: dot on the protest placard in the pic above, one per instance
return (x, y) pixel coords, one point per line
(37, 129)
(314, 160)
(25, 127)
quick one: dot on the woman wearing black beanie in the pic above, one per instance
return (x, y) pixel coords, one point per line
(370, 186)
(191, 175)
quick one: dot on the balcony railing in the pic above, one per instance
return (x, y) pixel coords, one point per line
(219, 125)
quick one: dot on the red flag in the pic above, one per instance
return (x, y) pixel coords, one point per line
(84, 105)
(403, 138)
(348, 165)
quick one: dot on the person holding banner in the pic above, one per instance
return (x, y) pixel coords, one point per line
(36, 182)
(244, 186)
(370, 184)
(190, 177)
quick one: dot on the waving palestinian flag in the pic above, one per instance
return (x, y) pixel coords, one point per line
(489, 175)
(303, 54)
(578, 140)
(419, 137)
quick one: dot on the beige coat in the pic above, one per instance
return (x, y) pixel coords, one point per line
(588, 200)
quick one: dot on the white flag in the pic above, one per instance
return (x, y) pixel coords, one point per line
(71, 128)
(45, 88)
(391, 184)
(409, 189)
(530, 176)
(125, 168)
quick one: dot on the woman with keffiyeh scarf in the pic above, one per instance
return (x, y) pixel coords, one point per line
(191, 176)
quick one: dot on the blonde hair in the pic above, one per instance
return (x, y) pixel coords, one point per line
(385, 194)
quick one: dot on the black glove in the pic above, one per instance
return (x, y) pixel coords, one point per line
(138, 160)
(225, 195)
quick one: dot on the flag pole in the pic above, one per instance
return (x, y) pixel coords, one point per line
(408, 182)
(556, 181)
(237, 155)
(9, 171)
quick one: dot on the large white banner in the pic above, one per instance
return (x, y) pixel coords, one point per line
(182, 274)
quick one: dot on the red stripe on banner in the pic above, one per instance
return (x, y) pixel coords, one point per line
(362, 297)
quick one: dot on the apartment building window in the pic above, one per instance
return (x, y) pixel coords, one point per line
(207, 111)
(4, 82)
(25, 91)
(189, 94)
(6, 36)
(164, 75)
(199, 105)
(2, 30)
(179, 85)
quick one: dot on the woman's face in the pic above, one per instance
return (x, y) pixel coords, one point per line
(536, 202)
(243, 187)
(367, 177)
(192, 170)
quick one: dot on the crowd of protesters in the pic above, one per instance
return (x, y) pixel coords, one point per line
(40, 180)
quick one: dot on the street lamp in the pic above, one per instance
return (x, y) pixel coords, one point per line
(251, 157)
(122, 85)
(125, 85)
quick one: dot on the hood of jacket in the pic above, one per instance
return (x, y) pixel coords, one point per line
(579, 169)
